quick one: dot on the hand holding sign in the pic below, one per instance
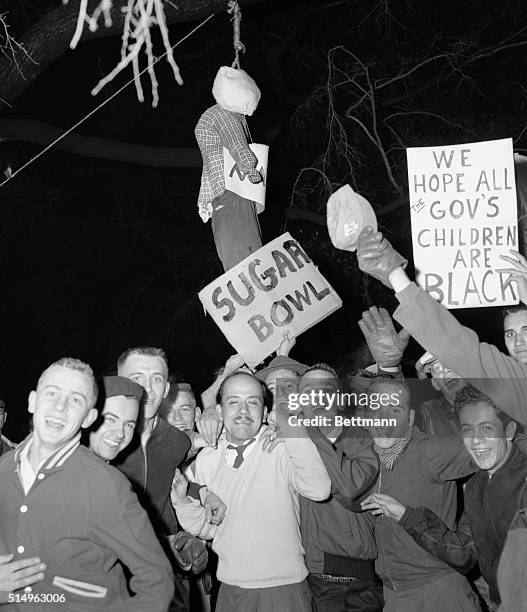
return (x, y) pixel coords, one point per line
(518, 273)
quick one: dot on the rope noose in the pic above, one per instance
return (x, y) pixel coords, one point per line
(234, 9)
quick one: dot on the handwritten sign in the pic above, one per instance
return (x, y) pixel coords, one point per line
(464, 216)
(238, 182)
(275, 289)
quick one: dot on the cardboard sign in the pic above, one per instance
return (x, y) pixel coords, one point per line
(464, 216)
(238, 182)
(275, 289)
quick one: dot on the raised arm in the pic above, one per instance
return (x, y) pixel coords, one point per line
(352, 466)
(499, 376)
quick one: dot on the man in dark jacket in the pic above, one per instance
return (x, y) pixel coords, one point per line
(337, 536)
(493, 496)
(149, 462)
(420, 469)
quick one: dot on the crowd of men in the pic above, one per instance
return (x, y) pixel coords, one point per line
(126, 496)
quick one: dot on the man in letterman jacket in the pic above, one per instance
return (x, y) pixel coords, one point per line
(65, 505)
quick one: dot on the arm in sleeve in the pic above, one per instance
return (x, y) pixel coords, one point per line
(304, 468)
(447, 458)
(191, 517)
(232, 136)
(119, 523)
(499, 376)
(455, 548)
(352, 465)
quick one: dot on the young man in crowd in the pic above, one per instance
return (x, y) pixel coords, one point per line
(63, 504)
(113, 430)
(421, 470)
(437, 330)
(150, 461)
(493, 496)
(179, 407)
(338, 539)
(261, 563)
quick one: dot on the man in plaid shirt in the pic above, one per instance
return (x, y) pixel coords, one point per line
(234, 223)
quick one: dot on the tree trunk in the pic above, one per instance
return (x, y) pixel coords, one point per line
(50, 37)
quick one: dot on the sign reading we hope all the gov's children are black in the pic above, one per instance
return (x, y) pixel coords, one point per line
(464, 216)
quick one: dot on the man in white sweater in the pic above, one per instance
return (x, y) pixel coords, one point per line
(261, 559)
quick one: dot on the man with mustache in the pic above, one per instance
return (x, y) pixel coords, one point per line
(261, 562)
(79, 515)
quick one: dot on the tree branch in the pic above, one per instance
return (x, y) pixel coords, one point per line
(50, 37)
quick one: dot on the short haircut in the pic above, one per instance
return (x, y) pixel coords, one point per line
(469, 395)
(174, 390)
(266, 394)
(149, 351)
(391, 380)
(508, 310)
(79, 366)
(321, 366)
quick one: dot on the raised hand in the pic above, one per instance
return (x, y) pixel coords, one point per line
(286, 345)
(386, 344)
(377, 257)
(518, 273)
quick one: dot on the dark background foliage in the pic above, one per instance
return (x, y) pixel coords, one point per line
(98, 255)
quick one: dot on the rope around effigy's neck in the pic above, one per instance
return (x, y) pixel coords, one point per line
(235, 10)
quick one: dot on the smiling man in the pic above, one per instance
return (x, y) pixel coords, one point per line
(151, 459)
(115, 428)
(419, 469)
(261, 562)
(62, 504)
(515, 331)
(493, 496)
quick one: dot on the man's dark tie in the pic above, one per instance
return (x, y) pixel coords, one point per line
(239, 450)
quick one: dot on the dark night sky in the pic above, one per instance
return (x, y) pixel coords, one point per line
(97, 256)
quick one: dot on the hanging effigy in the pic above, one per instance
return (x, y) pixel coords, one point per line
(230, 164)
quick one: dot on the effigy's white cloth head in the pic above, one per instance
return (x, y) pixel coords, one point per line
(348, 213)
(234, 90)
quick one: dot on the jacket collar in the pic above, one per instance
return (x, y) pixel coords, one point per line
(58, 458)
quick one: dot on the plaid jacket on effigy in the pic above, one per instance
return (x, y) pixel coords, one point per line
(218, 128)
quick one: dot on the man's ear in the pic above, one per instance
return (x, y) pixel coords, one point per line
(510, 430)
(197, 413)
(31, 402)
(90, 418)
(167, 389)
(219, 411)
(434, 384)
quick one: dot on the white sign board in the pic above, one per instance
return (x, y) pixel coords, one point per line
(277, 288)
(238, 182)
(464, 216)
